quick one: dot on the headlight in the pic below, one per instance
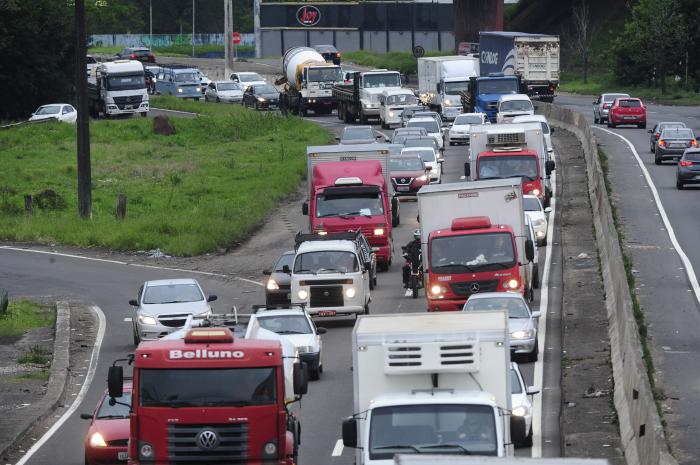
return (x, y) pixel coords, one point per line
(378, 231)
(199, 89)
(270, 448)
(423, 178)
(272, 285)
(302, 294)
(260, 99)
(536, 192)
(520, 411)
(448, 101)
(321, 233)
(436, 289)
(146, 450)
(147, 320)
(350, 292)
(96, 440)
(511, 284)
(305, 349)
(391, 114)
(540, 234)
(521, 334)
(539, 222)
(179, 89)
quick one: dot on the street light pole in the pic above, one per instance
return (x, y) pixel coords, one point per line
(192, 27)
(83, 123)
(150, 23)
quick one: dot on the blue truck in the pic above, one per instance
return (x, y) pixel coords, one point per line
(483, 93)
(532, 57)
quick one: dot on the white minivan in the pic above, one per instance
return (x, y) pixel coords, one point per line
(391, 105)
(512, 105)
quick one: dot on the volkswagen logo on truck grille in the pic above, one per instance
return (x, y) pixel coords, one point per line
(474, 288)
(207, 439)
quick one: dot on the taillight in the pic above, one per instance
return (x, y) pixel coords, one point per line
(693, 143)
(686, 163)
(657, 134)
(133, 56)
(662, 143)
(338, 54)
(606, 105)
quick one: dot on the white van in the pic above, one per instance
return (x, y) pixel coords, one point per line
(391, 105)
(512, 105)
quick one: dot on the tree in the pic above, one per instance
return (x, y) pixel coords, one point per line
(653, 42)
(113, 17)
(582, 34)
(37, 55)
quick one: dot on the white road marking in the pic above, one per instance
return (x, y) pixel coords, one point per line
(536, 450)
(80, 396)
(408, 293)
(689, 270)
(338, 449)
(140, 265)
(127, 319)
(175, 111)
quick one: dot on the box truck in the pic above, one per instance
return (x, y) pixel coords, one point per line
(442, 79)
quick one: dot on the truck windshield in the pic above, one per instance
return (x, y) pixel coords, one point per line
(207, 387)
(369, 204)
(328, 74)
(381, 80)
(452, 88)
(326, 261)
(472, 252)
(517, 105)
(129, 82)
(425, 429)
(511, 166)
(498, 86)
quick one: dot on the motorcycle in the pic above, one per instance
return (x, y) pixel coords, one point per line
(415, 277)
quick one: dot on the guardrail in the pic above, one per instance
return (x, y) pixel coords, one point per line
(641, 432)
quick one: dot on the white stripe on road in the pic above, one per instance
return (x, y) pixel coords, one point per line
(128, 319)
(536, 450)
(175, 111)
(83, 390)
(689, 271)
(117, 262)
(338, 449)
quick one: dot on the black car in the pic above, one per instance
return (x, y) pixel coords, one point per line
(261, 97)
(278, 285)
(329, 53)
(141, 54)
(688, 171)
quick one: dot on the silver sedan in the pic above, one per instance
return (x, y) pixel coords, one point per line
(224, 91)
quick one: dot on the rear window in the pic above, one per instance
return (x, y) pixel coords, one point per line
(630, 103)
(692, 156)
(611, 97)
(677, 133)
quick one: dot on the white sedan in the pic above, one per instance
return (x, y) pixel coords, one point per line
(538, 216)
(521, 402)
(62, 112)
(224, 91)
(460, 130)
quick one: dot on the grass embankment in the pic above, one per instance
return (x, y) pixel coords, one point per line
(23, 315)
(172, 50)
(600, 83)
(404, 62)
(202, 189)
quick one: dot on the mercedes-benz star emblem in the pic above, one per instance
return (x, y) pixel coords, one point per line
(474, 288)
(326, 293)
(207, 439)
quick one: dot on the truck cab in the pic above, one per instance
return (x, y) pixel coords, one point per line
(392, 102)
(179, 81)
(512, 105)
(484, 92)
(331, 275)
(117, 88)
(371, 85)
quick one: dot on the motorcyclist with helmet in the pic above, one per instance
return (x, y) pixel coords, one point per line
(412, 252)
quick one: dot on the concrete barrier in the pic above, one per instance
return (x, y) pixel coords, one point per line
(641, 432)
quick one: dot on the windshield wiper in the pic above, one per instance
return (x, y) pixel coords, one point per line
(442, 446)
(305, 271)
(398, 446)
(289, 331)
(175, 404)
(101, 417)
(176, 302)
(329, 270)
(349, 214)
(449, 265)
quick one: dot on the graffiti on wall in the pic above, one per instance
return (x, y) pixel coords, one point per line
(162, 40)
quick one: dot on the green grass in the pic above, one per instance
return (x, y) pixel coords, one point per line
(41, 375)
(172, 50)
(23, 315)
(205, 188)
(404, 62)
(37, 355)
(599, 83)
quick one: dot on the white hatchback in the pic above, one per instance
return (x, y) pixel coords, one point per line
(431, 126)
(521, 402)
(61, 112)
(546, 129)
(460, 131)
(538, 216)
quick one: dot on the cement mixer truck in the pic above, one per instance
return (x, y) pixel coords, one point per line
(308, 81)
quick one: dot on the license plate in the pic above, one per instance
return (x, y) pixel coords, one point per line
(128, 107)
(122, 455)
(326, 313)
(403, 189)
(630, 117)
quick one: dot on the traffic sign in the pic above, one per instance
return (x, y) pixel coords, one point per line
(418, 51)
(236, 38)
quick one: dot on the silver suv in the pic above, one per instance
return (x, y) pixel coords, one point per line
(601, 106)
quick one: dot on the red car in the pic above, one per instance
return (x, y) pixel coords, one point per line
(408, 174)
(106, 441)
(627, 110)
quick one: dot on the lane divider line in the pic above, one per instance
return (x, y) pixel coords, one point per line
(174, 111)
(689, 270)
(139, 265)
(83, 390)
(338, 449)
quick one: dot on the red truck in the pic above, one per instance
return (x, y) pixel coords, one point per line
(210, 397)
(349, 189)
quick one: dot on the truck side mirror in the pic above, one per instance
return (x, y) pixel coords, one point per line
(551, 130)
(301, 379)
(529, 250)
(115, 381)
(549, 167)
(267, 272)
(133, 303)
(212, 298)
(321, 330)
(350, 432)
(467, 170)
(86, 416)
(305, 208)
(285, 269)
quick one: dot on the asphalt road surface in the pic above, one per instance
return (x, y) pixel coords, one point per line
(110, 285)
(661, 236)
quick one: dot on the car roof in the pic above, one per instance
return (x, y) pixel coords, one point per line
(247, 73)
(421, 138)
(508, 97)
(620, 94)
(170, 282)
(262, 313)
(496, 295)
(333, 245)
(414, 149)
(408, 154)
(664, 123)
(225, 81)
(422, 118)
(529, 118)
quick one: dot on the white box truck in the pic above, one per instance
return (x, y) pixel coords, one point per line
(473, 239)
(512, 150)
(427, 383)
(433, 459)
(442, 79)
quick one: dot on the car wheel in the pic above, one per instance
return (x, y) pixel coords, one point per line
(218, 100)
(657, 160)
(679, 185)
(374, 280)
(528, 440)
(372, 283)
(452, 143)
(651, 148)
(534, 355)
(642, 126)
(536, 276)
(257, 107)
(596, 120)
(543, 242)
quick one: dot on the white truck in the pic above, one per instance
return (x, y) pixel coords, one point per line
(473, 239)
(117, 88)
(308, 82)
(361, 99)
(430, 383)
(510, 150)
(442, 79)
(406, 459)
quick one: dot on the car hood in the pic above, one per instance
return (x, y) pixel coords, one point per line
(407, 174)
(461, 127)
(301, 340)
(41, 117)
(281, 278)
(269, 96)
(111, 429)
(520, 324)
(536, 216)
(175, 309)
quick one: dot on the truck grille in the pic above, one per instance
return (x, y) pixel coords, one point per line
(467, 288)
(133, 100)
(326, 296)
(231, 446)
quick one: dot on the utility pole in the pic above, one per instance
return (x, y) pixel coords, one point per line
(150, 23)
(256, 28)
(228, 37)
(192, 28)
(83, 123)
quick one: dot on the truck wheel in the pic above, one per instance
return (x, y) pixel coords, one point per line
(363, 118)
(314, 373)
(366, 309)
(536, 277)
(144, 114)
(137, 339)
(534, 355)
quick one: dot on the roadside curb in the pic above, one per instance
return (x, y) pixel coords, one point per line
(57, 381)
